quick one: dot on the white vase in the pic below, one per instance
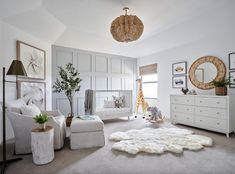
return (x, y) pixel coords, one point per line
(42, 126)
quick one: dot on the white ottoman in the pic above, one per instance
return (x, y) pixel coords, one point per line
(87, 133)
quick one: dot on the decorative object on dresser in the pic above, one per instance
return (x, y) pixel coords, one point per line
(69, 84)
(221, 86)
(184, 90)
(206, 69)
(157, 141)
(42, 145)
(16, 68)
(33, 58)
(32, 92)
(232, 79)
(231, 61)
(41, 119)
(204, 111)
(179, 81)
(179, 68)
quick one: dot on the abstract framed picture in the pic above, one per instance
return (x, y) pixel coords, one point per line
(231, 61)
(179, 82)
(32, 92)
(33, 59)
(232, 79)
(179, 68)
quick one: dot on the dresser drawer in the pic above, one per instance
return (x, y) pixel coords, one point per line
(182, 118)
(182, 108)
(211, 112)
(211, 102)
(186, 100)
(213, 123)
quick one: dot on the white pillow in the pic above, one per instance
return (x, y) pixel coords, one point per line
(109, 104)
(30, 110)
(15, 103)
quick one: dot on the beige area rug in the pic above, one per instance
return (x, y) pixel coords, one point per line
(158, 141)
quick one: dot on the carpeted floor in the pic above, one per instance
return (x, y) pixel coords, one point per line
(212, 160)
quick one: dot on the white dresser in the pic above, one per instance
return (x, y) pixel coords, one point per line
(216, 113)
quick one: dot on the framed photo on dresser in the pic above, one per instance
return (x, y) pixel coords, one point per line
(231, 61)
(232, 79)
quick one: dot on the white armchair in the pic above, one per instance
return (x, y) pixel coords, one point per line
(23, 124)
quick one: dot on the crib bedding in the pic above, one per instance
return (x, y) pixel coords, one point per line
(112, 111)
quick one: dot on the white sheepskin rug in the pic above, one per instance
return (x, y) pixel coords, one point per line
(158, 140)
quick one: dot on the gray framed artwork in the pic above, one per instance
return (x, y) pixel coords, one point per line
(232, 79)
(179, 81)
(179, 68)
(32, 92)
(33, 59)
(231, 61)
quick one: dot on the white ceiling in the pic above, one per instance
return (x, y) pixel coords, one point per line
(85, 24)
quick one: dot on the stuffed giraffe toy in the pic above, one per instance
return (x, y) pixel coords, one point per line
(140, 98)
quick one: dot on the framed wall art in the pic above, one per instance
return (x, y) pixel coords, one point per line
(232, 79)
(231, 61)
(179, 68)
(179, 82)
(33, 59)
(32, 92)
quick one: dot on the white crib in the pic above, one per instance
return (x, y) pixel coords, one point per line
(110, 113)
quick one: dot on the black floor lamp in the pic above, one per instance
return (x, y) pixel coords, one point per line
(16, 68)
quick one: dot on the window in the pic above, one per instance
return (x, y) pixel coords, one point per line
(150, 86)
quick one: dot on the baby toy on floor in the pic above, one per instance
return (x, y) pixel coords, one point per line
(156, 115)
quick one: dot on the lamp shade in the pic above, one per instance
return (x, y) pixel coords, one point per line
(17, 68)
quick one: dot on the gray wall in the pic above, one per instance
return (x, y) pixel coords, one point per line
(99, 71)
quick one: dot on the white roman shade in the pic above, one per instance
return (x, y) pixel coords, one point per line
(148, 69)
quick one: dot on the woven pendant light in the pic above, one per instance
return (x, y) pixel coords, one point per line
(126, 28)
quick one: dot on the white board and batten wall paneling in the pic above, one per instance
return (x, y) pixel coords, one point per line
(99, 71)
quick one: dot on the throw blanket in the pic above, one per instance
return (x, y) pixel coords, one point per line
(88, 101)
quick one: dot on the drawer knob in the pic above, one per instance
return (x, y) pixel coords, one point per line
(187, 118)
(187, 109)
(187, 100)
(218, 124)
(200, 120)
(200, 110)
(217, 113)
(218, 102)
(200, 101)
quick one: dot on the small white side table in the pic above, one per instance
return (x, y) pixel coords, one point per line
(42, 145)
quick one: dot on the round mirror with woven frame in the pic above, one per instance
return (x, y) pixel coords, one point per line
(219, 65)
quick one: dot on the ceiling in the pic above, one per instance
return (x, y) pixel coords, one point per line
(85, 24)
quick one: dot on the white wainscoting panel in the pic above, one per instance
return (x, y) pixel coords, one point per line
(128, 83)
(63, 57)
(116, 83)
(86, 83)
(116, 65)
(101, 83)
(101, 64)
(84, 62)
(128, 67)
(80, 108)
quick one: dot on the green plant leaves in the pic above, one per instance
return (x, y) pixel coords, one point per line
(41, 118)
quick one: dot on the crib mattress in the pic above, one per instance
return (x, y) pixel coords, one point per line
(112, 111)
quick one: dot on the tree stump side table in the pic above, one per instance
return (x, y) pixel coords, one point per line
(42, 145)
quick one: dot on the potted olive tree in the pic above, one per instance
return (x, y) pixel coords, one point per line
(41, 119)
(69, 84)
(221, 86)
